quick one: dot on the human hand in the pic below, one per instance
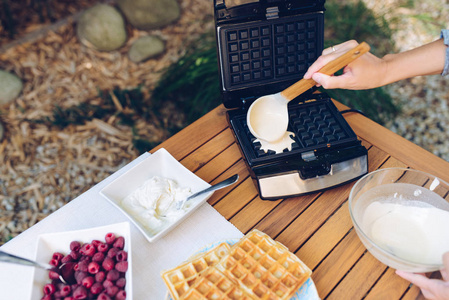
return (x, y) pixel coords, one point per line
(433, 289)
(368, 71)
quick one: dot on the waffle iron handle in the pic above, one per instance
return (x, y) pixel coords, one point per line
(330, 68)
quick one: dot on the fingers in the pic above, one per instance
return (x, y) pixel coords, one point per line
(431, 288)
(328, 55)
(330, 82)
(341, 48)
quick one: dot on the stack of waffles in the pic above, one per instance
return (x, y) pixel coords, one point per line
(256, 267)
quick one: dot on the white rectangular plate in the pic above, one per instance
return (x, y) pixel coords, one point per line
(162, 164)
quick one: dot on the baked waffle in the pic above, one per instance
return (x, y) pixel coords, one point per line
(181, 278)
(264, 268)
(213, 284)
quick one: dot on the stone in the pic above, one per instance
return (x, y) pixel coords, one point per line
(102, 27)
(150, 14)
(145, 48)
(10, 87)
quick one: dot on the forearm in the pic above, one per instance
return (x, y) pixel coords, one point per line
(425, 60)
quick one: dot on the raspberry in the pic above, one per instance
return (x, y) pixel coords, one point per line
(113, 275)
(103, 247)
(75, 255)
(107, 283)
(82, 266)
(96, 288)
(87, 282)
(93, 268)
(112, 290)
(121, 255)
(110, 238)
(103, 296)
(95, 243)
(121, 282)
(66, 290)
(57, 256)
(53, 274)
(80, 292)
(121, 266)
(49, 289)
(87, 249)
(119, 243)
(54, 262)
(100, 276)
(108, 264)
(112, 253)
(79, 276)
(98, 257)
(66, 259)
(75, 246)
(121, 295)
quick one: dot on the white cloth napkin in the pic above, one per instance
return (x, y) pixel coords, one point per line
(203, 227)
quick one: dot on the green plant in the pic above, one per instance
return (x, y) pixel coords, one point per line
(135, 106)
(192, 83)
(355, 21)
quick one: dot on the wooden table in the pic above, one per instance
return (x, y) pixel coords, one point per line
(317, 227)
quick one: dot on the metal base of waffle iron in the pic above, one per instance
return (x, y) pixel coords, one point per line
(288, 185)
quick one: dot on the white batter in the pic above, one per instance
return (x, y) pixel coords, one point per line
(154, 203)
(411, 229)
(279, 146)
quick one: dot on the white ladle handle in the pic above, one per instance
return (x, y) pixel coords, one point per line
(330, 68)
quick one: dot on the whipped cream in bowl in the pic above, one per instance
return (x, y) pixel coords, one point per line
(154, 203)
(148, 192)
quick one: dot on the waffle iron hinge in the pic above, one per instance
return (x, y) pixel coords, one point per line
(264, 9)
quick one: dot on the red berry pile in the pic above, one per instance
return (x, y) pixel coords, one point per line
(98, 270)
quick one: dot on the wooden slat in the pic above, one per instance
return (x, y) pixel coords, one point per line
(237, 199)
(190, 138)
(327, 275)
(367, 268)
(209, 150)
(389, 286)
(220, 163)
(288, 210)
(238, 168)
(251, 214)
(313, 217)
(326, 238)
(395, 145)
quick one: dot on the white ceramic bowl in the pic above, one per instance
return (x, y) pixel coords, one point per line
(402, 217)
(60, 242)
(163, 165)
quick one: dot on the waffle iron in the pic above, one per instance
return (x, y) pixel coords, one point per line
(263, 47)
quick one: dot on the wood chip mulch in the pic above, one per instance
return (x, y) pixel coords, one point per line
(42, 167)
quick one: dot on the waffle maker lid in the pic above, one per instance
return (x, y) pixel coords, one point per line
(265, 46)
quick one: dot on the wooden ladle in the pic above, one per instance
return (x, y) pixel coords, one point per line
(267, 117)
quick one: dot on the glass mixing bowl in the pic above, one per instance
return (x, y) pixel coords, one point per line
(402, 217)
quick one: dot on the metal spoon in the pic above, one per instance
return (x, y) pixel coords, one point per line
(65, 270)
(227, 182)
(267, 117)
